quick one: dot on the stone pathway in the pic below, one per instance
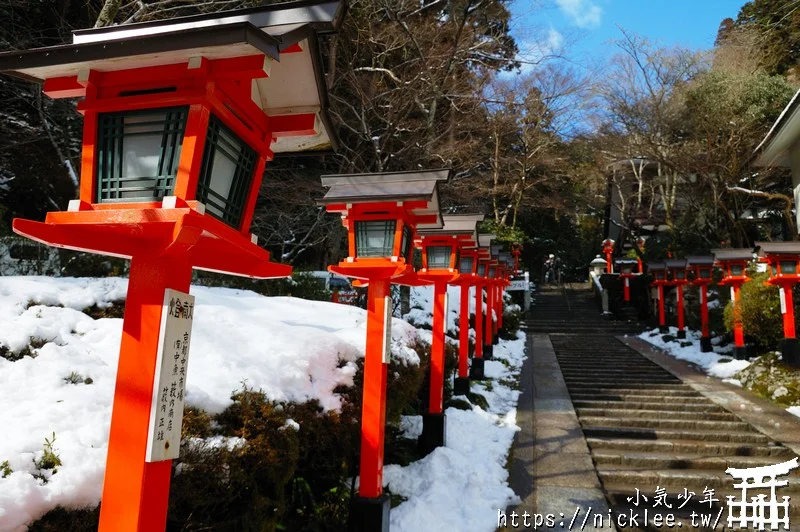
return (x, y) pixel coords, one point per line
(603, 417)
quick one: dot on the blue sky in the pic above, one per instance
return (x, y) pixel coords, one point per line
(583, 29)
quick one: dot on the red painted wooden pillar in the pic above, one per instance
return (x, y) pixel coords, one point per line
(788, 316)
(373, 411)
(436, 396)
(489, 330)
(135, 492)
(478, 321)
(662, 320)
(609, 264)
(499, 307)
(738, 332)
(463, 333)
(681, 324)
(704, 310)
(626, 288)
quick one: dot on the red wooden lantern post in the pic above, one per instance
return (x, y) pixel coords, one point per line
(174, 148)
(783, 260)
(468, 267)
(659, 272)
(440, 265)
(476, 370)
(626, 267)
(701, 268)
(640, 242)
(677, 275)
(485, 242)
(733, 263)
(516, 251)
(608, 250)
(381, 213)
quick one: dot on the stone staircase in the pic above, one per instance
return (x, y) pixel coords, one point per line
(645, 429)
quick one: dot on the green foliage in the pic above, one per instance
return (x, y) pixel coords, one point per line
(760, 309)
(778, 25)
(76, 378)
(511, 323)
(5, 469)
(503, 233)
(61, 519)
(769, 378)
(80, 264)
(49, 459)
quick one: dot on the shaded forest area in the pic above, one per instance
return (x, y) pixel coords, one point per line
(531, 135)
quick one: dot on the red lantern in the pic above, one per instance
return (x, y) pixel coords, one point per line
(180, 118)
(659, 272)
(701, 268)
(783, 265)
(381, 213)
(608, 250)
(733, 263)
(626, 267)
(679, 278)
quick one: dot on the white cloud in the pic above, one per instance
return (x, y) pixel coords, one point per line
(584, 13)
(534, 52)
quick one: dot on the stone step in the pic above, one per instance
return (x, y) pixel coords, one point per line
(662, 414)
(663, 461)
(660, 389)
(664, 424)
(672, 435)
(674, 397)
(648, 405)
(692, 479)
(704, 448)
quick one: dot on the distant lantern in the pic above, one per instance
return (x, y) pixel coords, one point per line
(443, 264)
(701, 268)
(659, 272)
(598, 265)
(381, 213)
(783, 260)
(678, 273)
(516, 251)
(626, 268)
(485, 242)
(733, 263)
(608, 251)
(180, 117)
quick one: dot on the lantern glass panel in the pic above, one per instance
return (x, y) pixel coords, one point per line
(705, 273)
(737, 270)
(226, 173)
(481, 269)
(465, 265)
(680, 275)
(375, 238)
(660, 276)
(788, 267)
(439, 257)
(138, 152)
(492, 272)
(774, 268)
(407, 244)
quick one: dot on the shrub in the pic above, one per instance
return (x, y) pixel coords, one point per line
(760, 309)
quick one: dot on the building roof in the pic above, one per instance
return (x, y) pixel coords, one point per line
(733, 254)
(700, 260)
(485, 240)
(774, 149)
(295, 84)
(456, 224)
(657, 266)
(675, 264)
(777, 248)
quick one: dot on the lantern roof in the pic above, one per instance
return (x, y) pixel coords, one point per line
(506, 257)
(626, 262)
(733, 254)
(777, 248)
(598, 261)
(656, 266)
(463, 225)
(485, 239)
(286, 33)
(700, 260)
(415, 186)
(675, 264)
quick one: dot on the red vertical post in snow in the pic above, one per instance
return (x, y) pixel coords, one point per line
(788, 315)
(488, 349)
(463, 333)
(136, 492)
(681, 325)
(738, 329)
(662, 319)
(436, 395)
(706, 334)
(476, 371)
(626, 288)
(373, 414)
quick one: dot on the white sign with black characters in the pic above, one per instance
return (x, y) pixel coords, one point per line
(518, 285)
(166, 408)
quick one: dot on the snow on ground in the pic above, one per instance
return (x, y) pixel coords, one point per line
(715, 364)
(462, 485)
(288, 347)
